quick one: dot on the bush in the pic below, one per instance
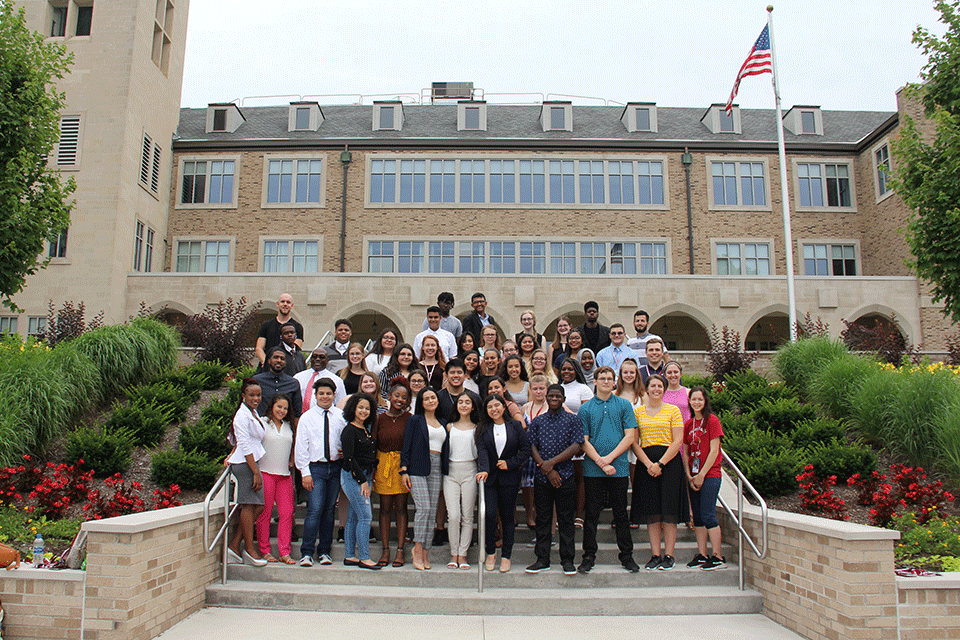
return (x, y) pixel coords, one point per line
(752, 442)
(106, 452)
(797, 362)
(219, 413)
(734, 423)
(233, 389)
(163, 346)
(208, 438)
(837, 458)
(882, 338)
(872, 403)
(68, 323)
(940, 536)
(737, 382)
(190, 384)
(164, 395)
(147, 422)
(188, 469)
(751, 397)
(224, 333)
(726, 355)
(816, 431)
(772, 474)
(721, 402)
(834, 386)
(212, 374)
(123, 354)
(782, 415)
(690, 381)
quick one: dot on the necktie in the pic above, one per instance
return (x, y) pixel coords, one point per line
(326, 436)
(309, 392)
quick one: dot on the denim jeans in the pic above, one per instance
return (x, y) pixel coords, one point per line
(704, 503)
(321, 506)
(356, 535)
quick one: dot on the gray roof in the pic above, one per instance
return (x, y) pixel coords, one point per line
(519, 125)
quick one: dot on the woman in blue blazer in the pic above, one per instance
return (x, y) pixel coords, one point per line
(502, 448)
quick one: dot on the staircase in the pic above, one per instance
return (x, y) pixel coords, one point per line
(607, 590)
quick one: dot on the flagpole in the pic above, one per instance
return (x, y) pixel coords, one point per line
(784, 191)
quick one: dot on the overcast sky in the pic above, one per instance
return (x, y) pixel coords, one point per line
(838, 54)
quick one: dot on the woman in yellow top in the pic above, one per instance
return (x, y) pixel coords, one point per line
(659, 496)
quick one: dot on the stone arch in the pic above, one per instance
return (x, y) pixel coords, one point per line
(573, 310)
(682, 327)
(504, 322)
(370, 318)
(887, 314)
(767, 328)
(171, 312)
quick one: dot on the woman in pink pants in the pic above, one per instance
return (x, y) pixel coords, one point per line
(275, 468)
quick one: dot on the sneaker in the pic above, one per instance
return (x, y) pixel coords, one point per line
(697, 561)
(325, 559)
(631, 565)
(538, 566)
(339, 536)
(713, 563)
(667, 563)
(569, 569)
(586, 565)
(306, 561)
(652, 563)
(532, 543)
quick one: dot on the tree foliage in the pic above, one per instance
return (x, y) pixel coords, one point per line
(33, 200)
(927, 170)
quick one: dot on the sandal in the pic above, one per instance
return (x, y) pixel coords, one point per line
(398, 562)
(287, 560)
(384, 558)
(269, 558)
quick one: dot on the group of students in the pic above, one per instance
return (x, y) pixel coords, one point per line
(558, 423)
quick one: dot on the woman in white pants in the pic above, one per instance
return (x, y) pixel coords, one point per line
(459, 464)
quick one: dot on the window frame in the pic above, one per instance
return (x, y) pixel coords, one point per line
(265, 191)
(771, 255)
(38, 324)
(262, 253)
(829, 243)
(823, 162)
(177, 240)
(209, 159)
(11, 323)
(738, 160)
(59, 247)
(875, 170)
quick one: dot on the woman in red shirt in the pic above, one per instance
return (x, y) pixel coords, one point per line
(701, 453)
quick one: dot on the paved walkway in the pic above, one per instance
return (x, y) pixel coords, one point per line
(213, 623)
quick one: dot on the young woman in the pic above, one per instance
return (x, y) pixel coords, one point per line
(489, 364)
(495, 386)
(459, 461)
(574, 344)
(246, 434)
(356, 366)
(528, 320)
(466, 343)
(659, 496)
(559, 343)
(359, 461)
(471, 365)
(527, 345)
(537, 406)
(516, 381)
(539, 364)
(489, 339)
(630, 387)
(388, 436)
(676, 394)
(574, 384)
(418, 382)
(701, 452)
(510, 348)
(382, 351)
(403, 362)
(502, 449)
(432, 361)
(369, 384)
(587, 361)
(421, 471)
(275, 468)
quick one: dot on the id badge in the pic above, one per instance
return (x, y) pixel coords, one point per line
(695, 466)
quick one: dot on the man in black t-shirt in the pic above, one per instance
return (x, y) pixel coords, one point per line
(269, 334)
(595, 335)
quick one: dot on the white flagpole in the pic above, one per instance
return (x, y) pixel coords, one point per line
(784, 191)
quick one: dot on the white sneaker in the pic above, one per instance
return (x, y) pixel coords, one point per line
(325, 559)
(306, 561)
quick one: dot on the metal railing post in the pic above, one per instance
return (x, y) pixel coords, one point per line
(742, 534)
(481, 535)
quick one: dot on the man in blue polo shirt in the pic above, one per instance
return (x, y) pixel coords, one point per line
(609, 428)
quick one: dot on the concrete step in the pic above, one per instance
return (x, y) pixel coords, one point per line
(613, 601)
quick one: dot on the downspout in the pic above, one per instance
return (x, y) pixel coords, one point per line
(687, 160)
(345, 159)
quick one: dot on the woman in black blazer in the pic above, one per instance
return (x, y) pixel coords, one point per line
(420, 470)
(502, 448)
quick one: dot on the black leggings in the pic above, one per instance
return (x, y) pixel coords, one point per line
(502, 499)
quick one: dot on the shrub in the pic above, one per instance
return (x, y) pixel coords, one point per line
(208, 438)
(797, 362)
(188, 469)
(752, 442)
(163, 347)
(125, 499)
(121, 354)
(721, 401)
(782, 415)
(908, 489)
(834, 386)
(233, 388)
(771, 474)
(212, 374)
(54, 493)
(837, 458)
(939, 536)
(189, 383)
(816, 431)
(105, 452)
(818, 495)
(166, 498)
(871, 405)
(949, 448)
(164, 395)
(953, 350)
(146, 422)
(726, 355)
(68, 323)
(807, 327)
(751, 397)
(736, 383)
(224, 333)
(735, 423)
(219, 413)
(882, 338)
(690, 381)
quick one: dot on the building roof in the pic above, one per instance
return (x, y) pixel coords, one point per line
(519, 125)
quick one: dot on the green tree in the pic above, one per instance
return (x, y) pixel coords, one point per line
(34, 203)
(927, 168)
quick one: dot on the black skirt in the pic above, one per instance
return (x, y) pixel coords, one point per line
(660, 499)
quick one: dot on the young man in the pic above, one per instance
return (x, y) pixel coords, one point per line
(447, 322)
(555, 437)
(595, 335)
(448, 344)
(317, 370)
(655, 360)
(456, 375)
(293, 352)
(477, 319)
(317, 456)
(273, 381)
(641, 324)
(617, 351)
(337, 350)
(609, 428)
(269, 334)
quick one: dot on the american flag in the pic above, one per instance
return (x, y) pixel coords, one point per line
(758, 61)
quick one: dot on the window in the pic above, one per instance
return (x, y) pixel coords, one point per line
(207, 182)
(824, 183)
(471, 257)
(562, 184)
(8, 324)
(472, 184)
(563, 257)
(410, 257)
(643, 119)
(650, 182)
(829, 260)
(58, 21)
(383, 180)
(882, 157)
(386, 118)
(291, 256)
(443, 181)
(138, 245)
(413, 180)
(533, 257)
(68, 149)
(653, 258)
(380, 257)
(808, 122)
(441, 258)
(303, 118)
(743, 259)
(726, 121)
(293, 181)
(162, 34)
(557, 118)
(621, 182)
(145, 158)
(219, 119)
(203, 256)
(471, 118)
(593, 257)
(58, 248)
(532, 181)
(148, 252)
(591, 182)
(502, 181)
(84, 20)
(36, 325)
(738, 183)
(503, 257)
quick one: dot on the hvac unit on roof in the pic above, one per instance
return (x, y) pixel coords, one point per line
(451, 90)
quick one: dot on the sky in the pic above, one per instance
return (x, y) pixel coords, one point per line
(839, 54)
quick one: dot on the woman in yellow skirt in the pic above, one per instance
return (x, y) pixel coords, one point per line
(388, 436)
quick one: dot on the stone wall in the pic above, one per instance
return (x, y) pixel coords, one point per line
(929, 607)
(41, 604)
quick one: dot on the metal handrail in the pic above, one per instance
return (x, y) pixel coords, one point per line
(481, 535)
(738, 517)
(225, 478)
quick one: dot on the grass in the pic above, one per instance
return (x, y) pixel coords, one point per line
(798, 362)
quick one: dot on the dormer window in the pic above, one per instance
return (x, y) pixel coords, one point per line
(223, 118)
(804, 121)
(471, 116)
(219, 119)
(717, 120)
(556, 116)
(387, 116)
(304, 116)
(640, 116)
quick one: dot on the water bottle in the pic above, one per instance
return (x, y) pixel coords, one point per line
(38, 551)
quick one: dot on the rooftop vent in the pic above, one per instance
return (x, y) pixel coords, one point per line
(451, 91)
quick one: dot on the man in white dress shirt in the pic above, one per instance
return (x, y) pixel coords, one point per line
(307, 377)
(448, 344)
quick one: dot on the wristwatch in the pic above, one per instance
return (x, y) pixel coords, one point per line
(661, 464)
